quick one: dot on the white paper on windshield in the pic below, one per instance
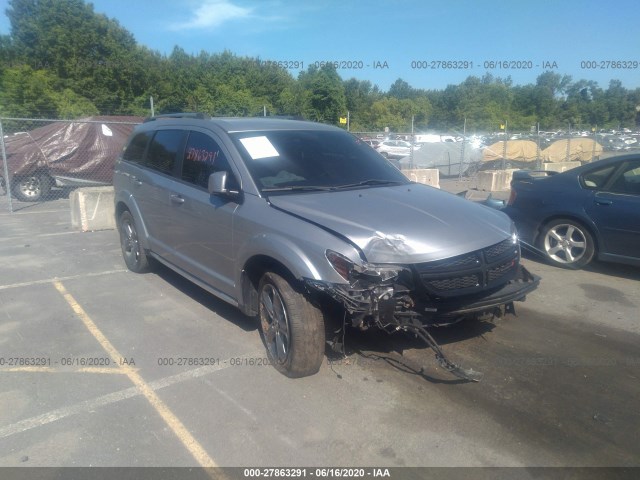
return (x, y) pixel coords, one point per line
(259, 147)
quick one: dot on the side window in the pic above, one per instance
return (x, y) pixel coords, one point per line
(164, 149)
(596, 179)
(628, 181)
(202, 157)
(135, 150)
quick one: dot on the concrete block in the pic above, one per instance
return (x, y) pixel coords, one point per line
(560, 166)
(495, 180)
(428, 176)
(92, 209)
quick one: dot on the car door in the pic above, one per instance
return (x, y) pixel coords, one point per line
(385, 147)
(398, 149)
(202, 234)
(153, 181)
(615, 209)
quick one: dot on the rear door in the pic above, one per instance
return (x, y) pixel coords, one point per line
(615, 208)
(152, 184)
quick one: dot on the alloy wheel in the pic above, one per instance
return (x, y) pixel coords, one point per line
(275, 323)
(565, 243)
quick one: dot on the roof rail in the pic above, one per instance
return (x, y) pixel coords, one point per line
(197, 115)
(282, 117)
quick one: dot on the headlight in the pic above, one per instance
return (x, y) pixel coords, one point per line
(351, 271)
(340, 264)
(514, 233)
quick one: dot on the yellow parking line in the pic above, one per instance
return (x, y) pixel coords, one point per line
(113, 371)
(190, 443)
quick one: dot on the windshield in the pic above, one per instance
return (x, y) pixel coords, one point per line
(313, 160)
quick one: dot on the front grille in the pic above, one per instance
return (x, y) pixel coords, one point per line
(470, 273)
(455, 283)
(454, 263)
(496, 273)
(496, 250)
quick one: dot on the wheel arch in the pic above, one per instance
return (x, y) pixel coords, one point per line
(121, 206)
(252, 271)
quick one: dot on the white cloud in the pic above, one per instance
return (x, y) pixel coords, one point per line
(212, 14)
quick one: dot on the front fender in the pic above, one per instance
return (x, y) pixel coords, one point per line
(302, 264)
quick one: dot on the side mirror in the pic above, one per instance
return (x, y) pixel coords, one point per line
(218, 185)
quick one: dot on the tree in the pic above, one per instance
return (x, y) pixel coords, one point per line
(70, 105)
(325, 99)
(401, 90)
(91, 54)
(619, 105)
(25, 92)
(360, 96)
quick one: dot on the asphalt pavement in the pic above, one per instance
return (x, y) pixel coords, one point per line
(103, 367)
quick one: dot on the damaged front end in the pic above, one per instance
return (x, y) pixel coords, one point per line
(414, 297)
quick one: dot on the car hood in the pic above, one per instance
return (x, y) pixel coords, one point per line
(401, 224)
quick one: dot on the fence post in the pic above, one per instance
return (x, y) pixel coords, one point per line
(7, 180)
(538, 159)
(462, 148)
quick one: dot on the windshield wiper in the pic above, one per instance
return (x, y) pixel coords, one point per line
(310, 188)
(303, 188)
(372, 181)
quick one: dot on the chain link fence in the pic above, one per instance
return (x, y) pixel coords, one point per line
(42, 160)
(457, 155)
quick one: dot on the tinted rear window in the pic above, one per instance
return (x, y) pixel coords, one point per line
(164, 149)
(135, 150)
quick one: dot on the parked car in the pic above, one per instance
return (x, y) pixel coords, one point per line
(64, 154)
(285, 218)
(395, 148)
(588, 212)
(372, 142)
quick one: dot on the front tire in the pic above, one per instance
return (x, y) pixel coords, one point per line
(567, 243)
(32, 188)
(292, 329)
(133, 253)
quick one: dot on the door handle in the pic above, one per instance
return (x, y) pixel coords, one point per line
(604, 202)
(177, 199)
(136, 181)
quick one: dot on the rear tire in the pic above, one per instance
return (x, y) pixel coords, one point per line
(133, 253)
(567, 243)
(292, 328)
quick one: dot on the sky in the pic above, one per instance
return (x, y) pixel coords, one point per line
(427, 43)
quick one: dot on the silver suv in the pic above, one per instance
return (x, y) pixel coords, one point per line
(285, 218)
